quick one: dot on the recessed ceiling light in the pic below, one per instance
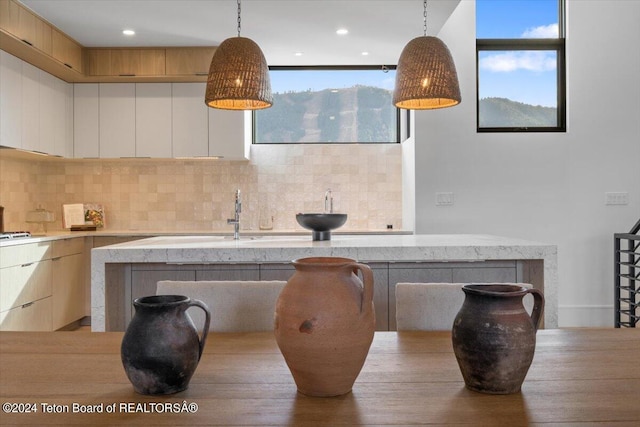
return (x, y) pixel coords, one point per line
(298, 54)
(365, 53)
(128, 32)
(342, 31)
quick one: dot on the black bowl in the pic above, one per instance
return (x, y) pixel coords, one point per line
(321, 223)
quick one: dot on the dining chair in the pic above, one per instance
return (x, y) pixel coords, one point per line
(433, 306)
(235, 306)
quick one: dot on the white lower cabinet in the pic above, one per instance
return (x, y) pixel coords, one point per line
(42, 286)
(25, 281)
(68, 288)
(33, 316)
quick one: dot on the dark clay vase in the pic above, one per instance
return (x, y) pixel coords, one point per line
(325, 322)
(494, 338)
(161, 347)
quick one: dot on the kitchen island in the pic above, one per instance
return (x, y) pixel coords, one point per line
(457, 258)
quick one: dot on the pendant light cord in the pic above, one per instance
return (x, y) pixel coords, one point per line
(239, 17)
(424, 15)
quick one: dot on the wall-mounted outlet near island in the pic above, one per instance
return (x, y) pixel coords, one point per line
(444, 199)
(616, 198)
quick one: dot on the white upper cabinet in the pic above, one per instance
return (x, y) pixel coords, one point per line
(153, 120)
(117, 112)
(227, 134)
(190, 130)
(10, 100)
(86, 137)
(55, 116)
(49, 113)
(30, 108)
(36, 108)
(61, 132)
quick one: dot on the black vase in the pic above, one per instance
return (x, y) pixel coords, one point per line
(161, 347)
(494, 338)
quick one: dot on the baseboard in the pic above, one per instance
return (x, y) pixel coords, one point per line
(585, 316)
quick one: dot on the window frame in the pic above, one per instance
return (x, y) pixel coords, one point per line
(525, 44)
(399, 117)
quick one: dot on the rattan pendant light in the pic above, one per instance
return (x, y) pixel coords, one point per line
(426, 76)
(238, 76)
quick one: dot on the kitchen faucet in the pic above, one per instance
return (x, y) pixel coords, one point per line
(236, 220)
(328, 201)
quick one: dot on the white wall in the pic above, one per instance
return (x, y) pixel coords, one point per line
(547, 187)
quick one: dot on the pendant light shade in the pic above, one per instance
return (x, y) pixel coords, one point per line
(238, 77)
(426, 76)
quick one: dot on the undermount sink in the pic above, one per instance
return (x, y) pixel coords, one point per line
(321, 224)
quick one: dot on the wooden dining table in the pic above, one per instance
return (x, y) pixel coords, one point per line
(578, 376)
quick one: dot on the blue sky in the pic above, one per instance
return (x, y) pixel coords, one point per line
(528, 77)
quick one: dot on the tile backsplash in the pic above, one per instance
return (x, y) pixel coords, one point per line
(197, 195)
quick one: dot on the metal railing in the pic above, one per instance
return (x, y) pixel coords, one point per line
(627, 278)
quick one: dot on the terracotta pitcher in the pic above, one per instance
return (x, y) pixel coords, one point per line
(161, 347)
(325, 322)
(494, 338)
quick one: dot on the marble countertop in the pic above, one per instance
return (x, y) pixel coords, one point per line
(446, 247)
(66, 234)
(209, 249)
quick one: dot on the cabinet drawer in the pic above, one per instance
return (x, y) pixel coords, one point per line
(25, 283)
(67, 247)
(24, 254)
(35, 316)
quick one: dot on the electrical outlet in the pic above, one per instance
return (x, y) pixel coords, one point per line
(618, 198)
(444, 199)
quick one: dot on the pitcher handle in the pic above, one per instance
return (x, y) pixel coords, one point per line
(538, 306)
(367, 282)
(207, 320)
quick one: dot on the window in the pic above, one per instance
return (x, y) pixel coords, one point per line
(329, 105)
(520, 58)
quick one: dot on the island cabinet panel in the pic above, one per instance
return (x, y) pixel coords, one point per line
(189, 61)
(228, 272)
(141, 279)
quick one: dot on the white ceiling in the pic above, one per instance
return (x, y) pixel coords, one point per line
(280, 27)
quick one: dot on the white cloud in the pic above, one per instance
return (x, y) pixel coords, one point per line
(525, 60)
(542, 32)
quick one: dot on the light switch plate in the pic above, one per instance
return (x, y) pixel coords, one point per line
(616, 198)
(444, 199)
